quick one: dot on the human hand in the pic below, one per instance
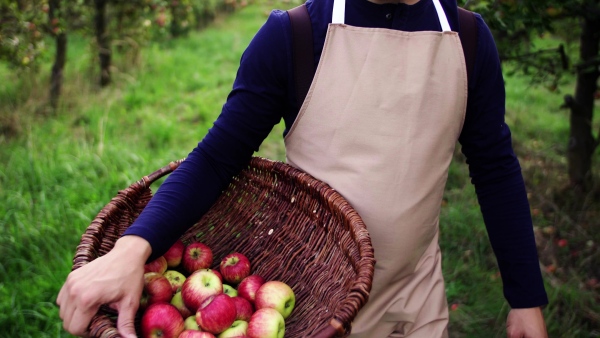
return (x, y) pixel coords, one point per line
(526, 323)
(116, 279)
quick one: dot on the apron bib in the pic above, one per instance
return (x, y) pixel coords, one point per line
(379, 124)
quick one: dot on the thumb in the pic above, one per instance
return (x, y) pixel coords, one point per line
(126, 320)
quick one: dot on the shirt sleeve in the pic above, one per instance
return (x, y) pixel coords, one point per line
(496, 173)
(255, 104)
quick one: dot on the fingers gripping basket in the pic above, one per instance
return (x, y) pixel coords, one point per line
(293, 228)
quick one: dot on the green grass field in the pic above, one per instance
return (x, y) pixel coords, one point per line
(58, 170)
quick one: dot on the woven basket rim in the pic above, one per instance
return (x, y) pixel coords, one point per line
(90, 245)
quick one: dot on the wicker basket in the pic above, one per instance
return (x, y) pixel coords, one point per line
(293, 228)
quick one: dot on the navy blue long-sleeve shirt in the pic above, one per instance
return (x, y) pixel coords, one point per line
(263, 93)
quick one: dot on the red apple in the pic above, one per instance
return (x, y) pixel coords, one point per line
(158, 265)
(216, 314)
(157, 289)
(562, 242)
(229, 290)
(276, 295)
(174, 254)
(197, 256)
(196, 334)
(177, 302)
(161, 20)
(190, 323)
(237, 330)
(266, 323)
(235, 267)
(216, 272)
(199, 286)
(161, 320)
(176, 279)
(248, 287)
(243, 308)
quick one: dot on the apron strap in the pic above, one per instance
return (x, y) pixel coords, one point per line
(468, 32)
(339, 11)
(302, 51)
(442, 16)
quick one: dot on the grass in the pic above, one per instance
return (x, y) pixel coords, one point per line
(58, 170)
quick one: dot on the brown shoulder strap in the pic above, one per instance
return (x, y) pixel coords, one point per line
(468, 37)
(303, 56)
(302, 51)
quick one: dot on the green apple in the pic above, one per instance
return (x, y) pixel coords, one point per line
(237, 329)
(276, 295)
(176, 279)
(177, 302)
(190, 323)
(266, 323)
(229, 290)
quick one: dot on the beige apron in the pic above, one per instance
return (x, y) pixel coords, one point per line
(379, 124)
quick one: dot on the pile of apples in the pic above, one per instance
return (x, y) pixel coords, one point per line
(184, 298)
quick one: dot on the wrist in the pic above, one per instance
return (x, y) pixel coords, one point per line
(528, 310)
(533, 308)
(134, 247)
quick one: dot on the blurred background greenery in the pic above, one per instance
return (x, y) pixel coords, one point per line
(96, 95)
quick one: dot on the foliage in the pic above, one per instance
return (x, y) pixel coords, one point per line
(517, 25)
(62, 169)
(59, 170)
(26, 26)
(22, 26)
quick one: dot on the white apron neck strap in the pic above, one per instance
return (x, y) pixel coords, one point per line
(442, 16)
(339, 11)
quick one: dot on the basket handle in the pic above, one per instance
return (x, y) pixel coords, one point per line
(334, 329)
(149, 179)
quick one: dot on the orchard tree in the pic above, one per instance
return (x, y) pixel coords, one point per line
(60, 58)
(125, 15)
(25, 26)
(64, 17)
(102, 40)
(181, 16)
(515, 22)
(204, 12)
(129, 24)
(21, 32)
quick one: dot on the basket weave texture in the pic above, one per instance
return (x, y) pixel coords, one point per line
(292, 227)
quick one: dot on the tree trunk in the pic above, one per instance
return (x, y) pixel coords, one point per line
(175, 25)
(581, 140)
(120, 48)
(56, 78)
(103, 42)
(60, 58)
